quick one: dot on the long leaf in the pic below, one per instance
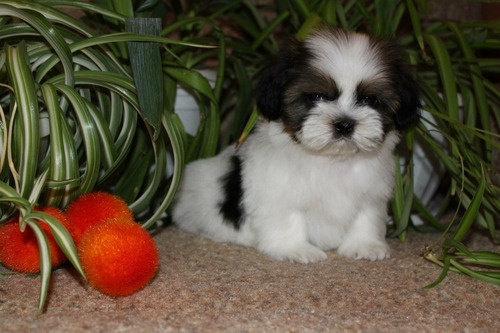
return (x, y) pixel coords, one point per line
(178, 155)
(477, 81)
(132, 179)
(123, 7)
(484, 276)
(446, 73)
(146, 66)
(61, 235)
(254, 117)
(115, 82)
(45, 260)
(192, 79)
(446, 267)
(8, 194)
(210, 132)
(50, 14)
(63, 156)
(160, 158)
(28, 136)
(415, 21)
(471, 212)
(329, 12)
(312, 21)
(50, 34)
(84, 5)
(124, 140)
(242, 109)
(108, 149)
(301, 7)
(90, 138)
(269, 29)
(403, 196)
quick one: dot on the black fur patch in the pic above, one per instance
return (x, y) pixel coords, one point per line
(380, 96)
(307, 88)
(231, 207)
(407, 113)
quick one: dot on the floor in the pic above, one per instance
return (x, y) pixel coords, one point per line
(203, 286)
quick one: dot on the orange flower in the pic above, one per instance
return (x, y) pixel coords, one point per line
(92, 208)
(118, 256)
(19, 250)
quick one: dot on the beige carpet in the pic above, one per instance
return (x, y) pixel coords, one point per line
(203, 286)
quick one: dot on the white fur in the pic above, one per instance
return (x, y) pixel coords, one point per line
(337, 58)
(303, 198)
(298, 204)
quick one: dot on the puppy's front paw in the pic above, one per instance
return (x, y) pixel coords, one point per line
(302, 253)
(370, 250)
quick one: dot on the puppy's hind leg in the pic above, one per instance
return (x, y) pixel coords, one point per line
(285, 239)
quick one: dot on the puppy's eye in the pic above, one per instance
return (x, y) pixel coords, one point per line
(369, 100)
(315, 98)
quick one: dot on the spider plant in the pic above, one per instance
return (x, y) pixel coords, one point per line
(73, 120)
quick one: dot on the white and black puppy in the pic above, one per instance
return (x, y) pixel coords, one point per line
(318, 170)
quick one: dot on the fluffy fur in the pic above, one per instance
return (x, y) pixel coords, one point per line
(318, 170)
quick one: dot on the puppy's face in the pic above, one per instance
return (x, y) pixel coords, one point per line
(339, 92)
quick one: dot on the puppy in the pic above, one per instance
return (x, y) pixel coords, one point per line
(318, 170)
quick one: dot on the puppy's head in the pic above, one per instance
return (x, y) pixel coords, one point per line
(339, 92)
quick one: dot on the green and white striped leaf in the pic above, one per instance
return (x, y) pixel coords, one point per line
(27, 136)
(45, 260)
(49, 33)
(63, 155)
(61, 235)
(90, 137)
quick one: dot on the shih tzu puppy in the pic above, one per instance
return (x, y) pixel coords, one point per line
(318, 170)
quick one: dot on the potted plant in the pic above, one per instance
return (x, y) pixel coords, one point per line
(57, 71)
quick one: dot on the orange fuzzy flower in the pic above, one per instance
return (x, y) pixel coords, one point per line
(19, 250)
(118, 256)
(92, 208)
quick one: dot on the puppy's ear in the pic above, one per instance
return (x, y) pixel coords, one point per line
(408, 113)
(271, 86)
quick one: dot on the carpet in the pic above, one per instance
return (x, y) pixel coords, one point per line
(204, 286)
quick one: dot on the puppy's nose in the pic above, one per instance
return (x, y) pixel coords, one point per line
(344, 127)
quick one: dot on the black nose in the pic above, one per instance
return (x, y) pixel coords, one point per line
(344, 127)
